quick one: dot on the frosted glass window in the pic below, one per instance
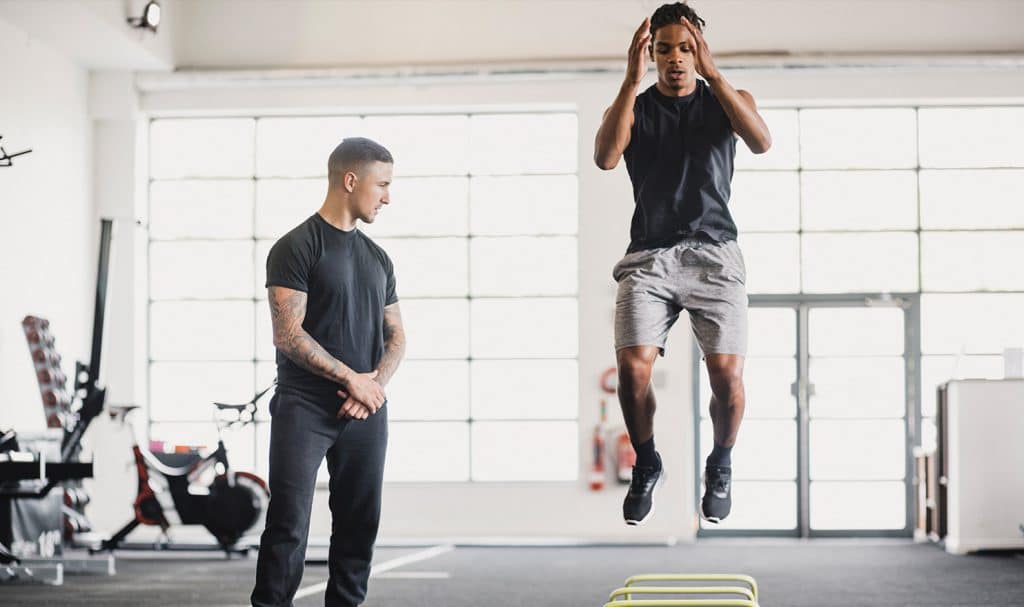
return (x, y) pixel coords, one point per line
(535, 204)
(972, 137)
(879, 505)
(972, 261)
(208, 330)
(241, 445)
(768, 385)
(300, 146)
(936, 370)
(282, 204)
(929, 435)
(427, 451)
(201, 147)
(185, 391)
(765, 201)
(858, 387)
(524, 328)
(499, 452)
(862, 261)
(436, 328)
(262, 251)
(200, 209)
(263, 450)
(975, 199)
(772, 332)
(857, 449)
(776, 506)
(766, 449)
(525, 389)
(785, 150)
(266, 371)
(861, 138)
(429, 390)
(427, 206)
(523, 266)
(200, 269)
(855, 331)
(859, 200)
(508, 144)
(224, 190)
(429, 267)
(982, 323)
(423, 145)
(772, 262)
(265, 349)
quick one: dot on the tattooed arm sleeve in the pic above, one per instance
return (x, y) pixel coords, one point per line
(287, 311)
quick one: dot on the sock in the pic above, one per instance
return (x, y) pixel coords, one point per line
(646, 456)
(720, 456)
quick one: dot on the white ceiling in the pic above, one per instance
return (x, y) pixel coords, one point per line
(348, 33)
(291, 34)
(92, 33)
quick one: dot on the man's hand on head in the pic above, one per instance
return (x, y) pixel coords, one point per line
(703, 62)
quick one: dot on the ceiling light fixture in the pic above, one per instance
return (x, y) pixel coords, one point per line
(150, 18)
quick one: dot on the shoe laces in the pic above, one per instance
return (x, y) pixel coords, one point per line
(641, 474)
(719, 481)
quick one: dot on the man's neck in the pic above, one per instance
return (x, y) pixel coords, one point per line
(336, 212)
(667, 91)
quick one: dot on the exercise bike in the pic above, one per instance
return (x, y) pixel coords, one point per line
(193, 489)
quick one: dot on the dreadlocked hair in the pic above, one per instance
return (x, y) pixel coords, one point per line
(670, 14)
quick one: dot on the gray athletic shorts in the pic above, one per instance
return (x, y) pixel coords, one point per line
(704, 278)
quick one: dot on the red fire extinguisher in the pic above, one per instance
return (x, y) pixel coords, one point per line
(597, 468)
(625, 458)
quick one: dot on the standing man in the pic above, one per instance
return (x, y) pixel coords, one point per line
(339, 339)
(678, 139)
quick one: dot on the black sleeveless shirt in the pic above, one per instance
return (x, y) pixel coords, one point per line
(680, 161)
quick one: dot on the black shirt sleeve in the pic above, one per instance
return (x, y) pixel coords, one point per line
(391, 296)
(290, 263)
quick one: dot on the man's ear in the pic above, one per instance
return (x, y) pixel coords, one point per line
(349, 181)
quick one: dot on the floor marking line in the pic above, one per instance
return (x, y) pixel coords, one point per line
(401, 561)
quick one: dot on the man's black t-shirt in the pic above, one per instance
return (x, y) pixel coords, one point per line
(680, 161)
(348, 280)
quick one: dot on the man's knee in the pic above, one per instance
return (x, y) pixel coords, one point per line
(725, 373)
(635, 366)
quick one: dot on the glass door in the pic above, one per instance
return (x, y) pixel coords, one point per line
(832, 412)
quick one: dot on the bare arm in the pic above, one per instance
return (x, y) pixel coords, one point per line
(613, 134)
(394, 344)
(287, 311)
(739, 106)
(394, 349)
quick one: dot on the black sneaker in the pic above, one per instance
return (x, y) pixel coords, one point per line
(639, 503)
(717, 499)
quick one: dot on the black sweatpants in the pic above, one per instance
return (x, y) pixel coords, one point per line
(302, 433)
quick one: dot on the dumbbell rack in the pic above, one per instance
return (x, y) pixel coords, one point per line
(57, 403)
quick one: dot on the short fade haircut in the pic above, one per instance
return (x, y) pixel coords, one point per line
(353, 153)
(670, 14)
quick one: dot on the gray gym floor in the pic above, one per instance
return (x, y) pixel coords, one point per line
(791, 573)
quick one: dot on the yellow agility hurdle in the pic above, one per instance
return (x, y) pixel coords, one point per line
(745, 596)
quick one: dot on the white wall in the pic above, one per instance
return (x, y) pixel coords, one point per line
(534, 509)
(47, 231)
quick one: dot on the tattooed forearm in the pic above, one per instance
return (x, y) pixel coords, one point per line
(394, 344)
(287, 311)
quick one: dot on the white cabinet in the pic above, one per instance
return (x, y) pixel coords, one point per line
(982, 446)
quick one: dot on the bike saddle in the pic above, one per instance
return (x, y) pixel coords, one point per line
(120, 412)
(247, 405)
(227, 407)
(237, 407)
